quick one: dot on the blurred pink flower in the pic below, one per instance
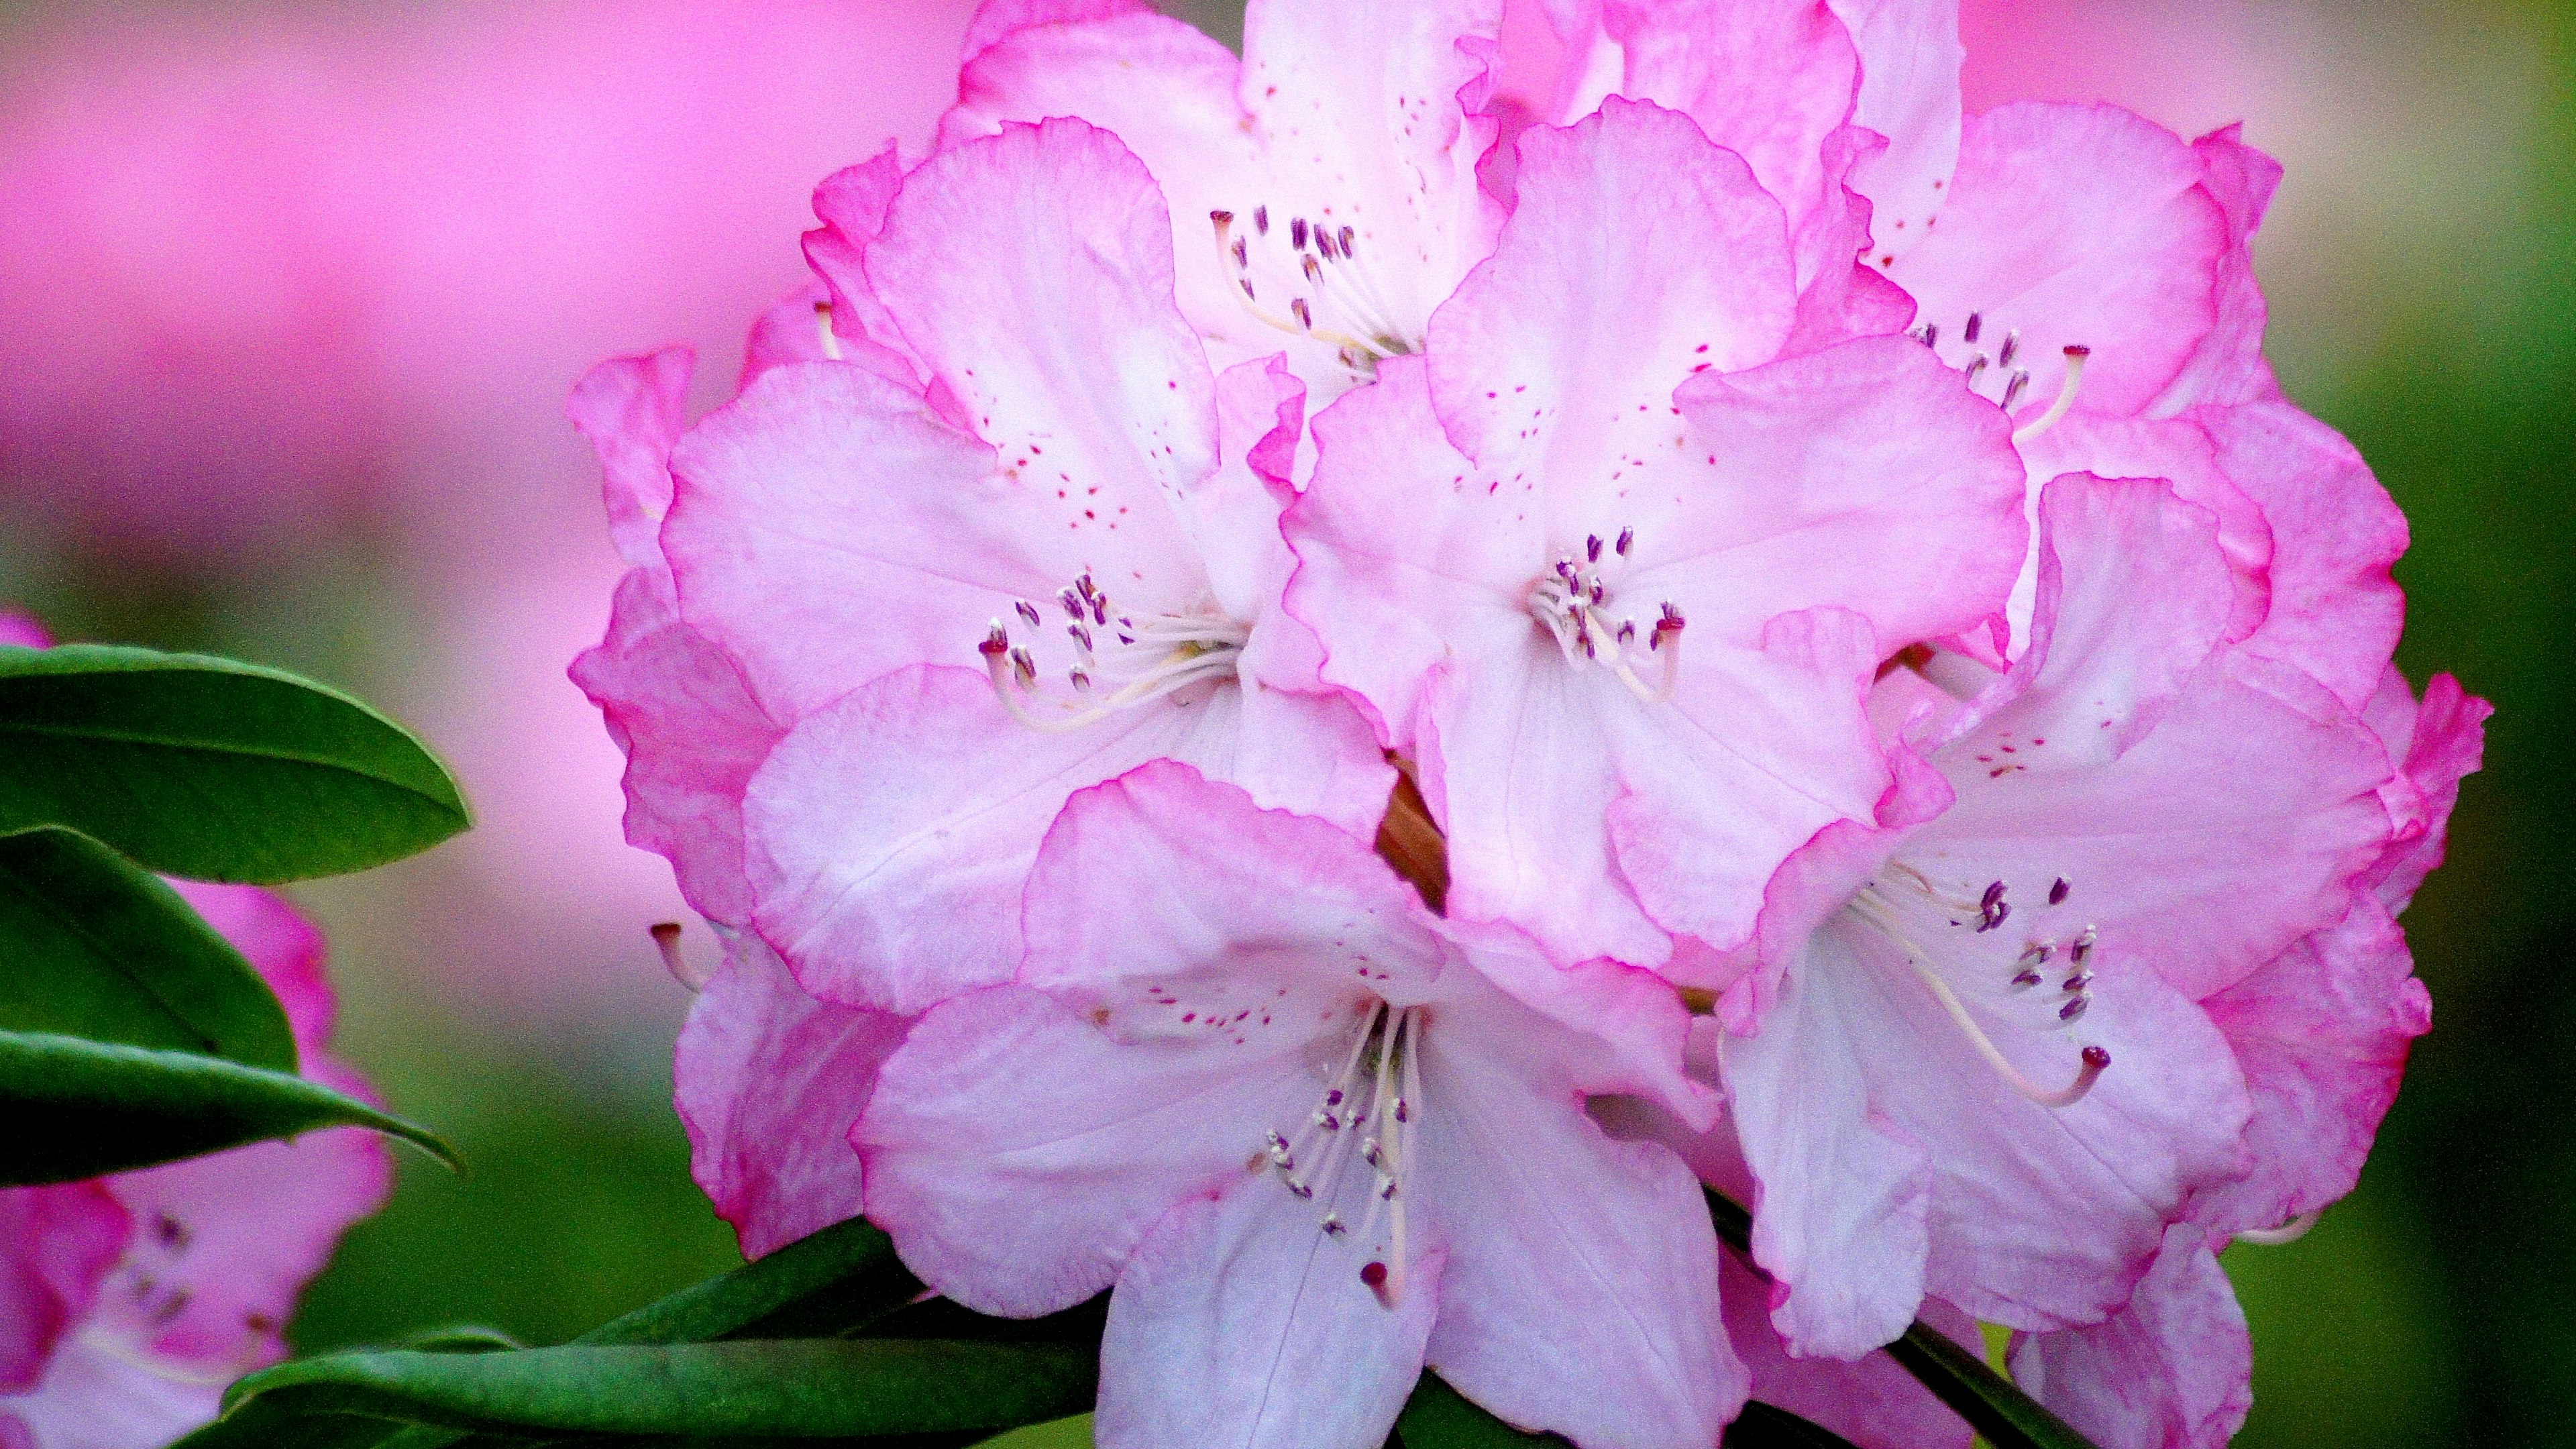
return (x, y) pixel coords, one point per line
(1299, 1123)
(267, 254)
(1598, 441)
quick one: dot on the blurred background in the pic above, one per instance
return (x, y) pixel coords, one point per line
(290, 294)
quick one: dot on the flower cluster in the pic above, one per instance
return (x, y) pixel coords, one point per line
(1312, 688)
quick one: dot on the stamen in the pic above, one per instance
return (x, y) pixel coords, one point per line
(1872, 908)
(823, 331)
(2284, 1235)
(2076, 357)
(666, 939)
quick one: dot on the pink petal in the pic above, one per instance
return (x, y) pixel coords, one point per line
(2335, 533)
(286, 949)
(2181, 452)
(1169, 93)
(2074, 226)
(57, 1244)
(1909, 92)
(1516, 765)
(1233, 1325)
(2133, 593)
(2231, 831)
(770, 1082)
(2172, 1370)
(1551, 358)
(1870, 1401)
(1398, 565)
(1019, 1155)
(1864, 477)
(999, 20)
(2322, 1034)
(2441, 742)
(2229, 365)
(1069, 260)
(96, 1397)
(224, 1244)
(632, 409)
(826, 531)
(1769, 82)
(852, 204)
(692, 731)
(888, 834)
(1387, 145)
(1842, 1213)
(1753, 756)
(1580, 1293)
(1162, 875)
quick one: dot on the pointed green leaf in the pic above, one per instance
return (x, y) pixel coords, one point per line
(1993, 1405)
(77, 1108)
(811, 1388)
(827, 1282)
(91, 946)
(1439, 1417)
(210, 768)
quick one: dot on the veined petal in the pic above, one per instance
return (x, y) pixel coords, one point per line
(1550, 359)
(1162, 877)
(1842, 1212)
(1032, 272)
(1864, 477)
(769, 1082)
(1019, 1155)
(1580, 1291)
(2172, 1370)
(888, 835)
(1909, 92)
(2322, 1034)
(1237, 1323)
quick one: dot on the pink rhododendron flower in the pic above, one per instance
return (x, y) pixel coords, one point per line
(1504, 542)
(1315, 1135)
(1051, 504)
(128, 1302)
(1984, 1074)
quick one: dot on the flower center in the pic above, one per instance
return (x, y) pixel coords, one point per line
(1365, 1118)
(1119, 661)
(2045, 985)
(1998, 378)
(1329, 294)
(1576, 604)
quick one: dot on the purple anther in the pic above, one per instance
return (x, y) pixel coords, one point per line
(1297, 232)
(1261, 220)
(2057, 892)
(1976, 321)
(1627, 536)
(2074, 1008)
(1592, 548)
(1029, 612)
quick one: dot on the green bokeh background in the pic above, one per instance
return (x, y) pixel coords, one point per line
(2437, 1306)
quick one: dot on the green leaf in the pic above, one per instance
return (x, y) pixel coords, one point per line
(210, 768)
(809, 1388)
(1439, 1417)
(92, 947)
(1993, 1405)
(1767, 1426)
(78, 1108)
(828, 1282)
